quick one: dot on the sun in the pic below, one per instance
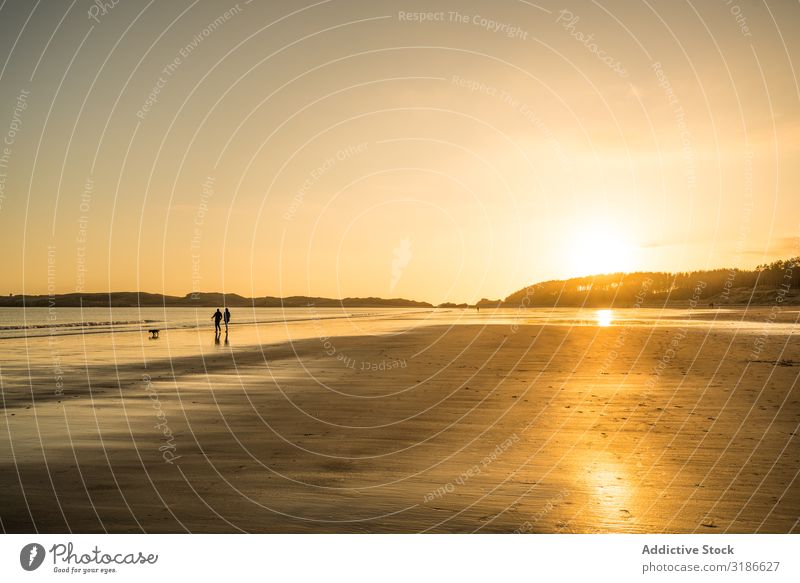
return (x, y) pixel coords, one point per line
(600, 248)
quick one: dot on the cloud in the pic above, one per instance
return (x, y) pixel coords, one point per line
(782, 247)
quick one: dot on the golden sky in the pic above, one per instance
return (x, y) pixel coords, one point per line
(441, 151)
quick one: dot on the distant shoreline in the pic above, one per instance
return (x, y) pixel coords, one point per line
(198, 300)
(777, 283)
(35, 302)
(147, 300)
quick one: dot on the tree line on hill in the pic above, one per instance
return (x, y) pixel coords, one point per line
(778, 281)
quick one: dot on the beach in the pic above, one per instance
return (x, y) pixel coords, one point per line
(440, 421)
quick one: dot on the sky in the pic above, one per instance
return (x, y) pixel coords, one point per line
(438, 151)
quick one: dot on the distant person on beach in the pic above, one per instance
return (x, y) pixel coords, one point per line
(226, 318)
(217, 317)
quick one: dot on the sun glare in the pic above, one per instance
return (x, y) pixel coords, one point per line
(604, 317)
(601, 249)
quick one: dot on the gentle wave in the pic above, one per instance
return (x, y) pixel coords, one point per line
(76, 324)
(138, 326)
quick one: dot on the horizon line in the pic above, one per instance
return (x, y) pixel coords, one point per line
(187, 295)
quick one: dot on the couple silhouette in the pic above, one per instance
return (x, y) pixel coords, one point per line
(217, 329)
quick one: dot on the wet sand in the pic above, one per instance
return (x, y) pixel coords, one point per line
(466, 428)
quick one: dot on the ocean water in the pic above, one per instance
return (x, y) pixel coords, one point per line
(33, 339)
(33, 323)
(41, 322)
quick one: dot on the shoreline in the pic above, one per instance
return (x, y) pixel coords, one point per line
(483, 430)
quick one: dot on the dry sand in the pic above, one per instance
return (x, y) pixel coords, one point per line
(481, 428)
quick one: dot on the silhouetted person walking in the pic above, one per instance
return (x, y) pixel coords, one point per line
(226, 318)
(217, 317)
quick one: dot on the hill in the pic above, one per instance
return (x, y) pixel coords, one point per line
(777, 282)
(209, 300)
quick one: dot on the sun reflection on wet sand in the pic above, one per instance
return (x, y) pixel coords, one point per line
(611, 492)
(604, 317)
